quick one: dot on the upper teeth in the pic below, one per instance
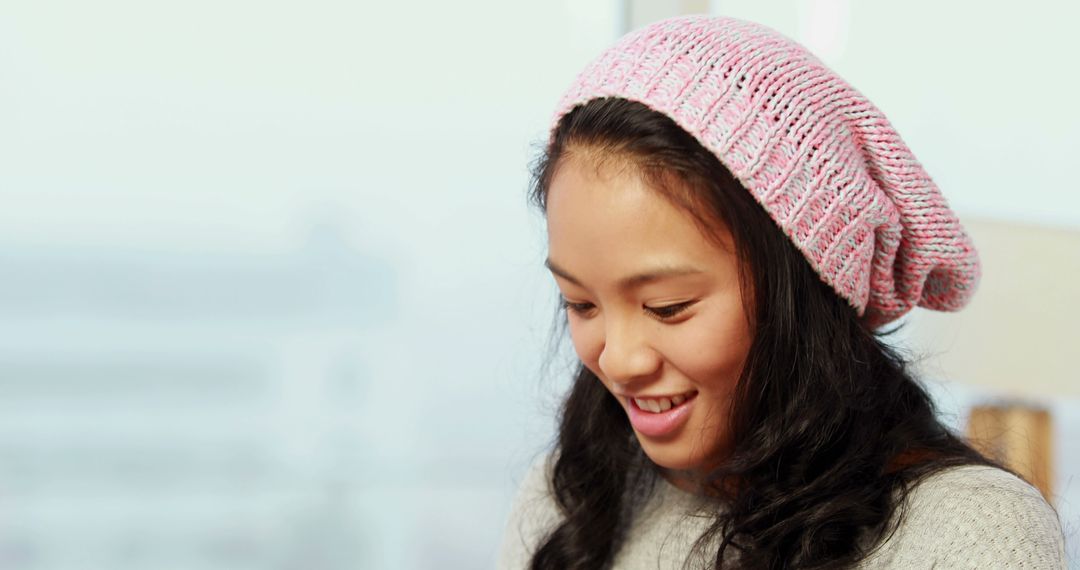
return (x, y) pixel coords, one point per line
(657, 405)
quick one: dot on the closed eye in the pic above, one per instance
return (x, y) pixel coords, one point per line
(582, 309)
(668, 312)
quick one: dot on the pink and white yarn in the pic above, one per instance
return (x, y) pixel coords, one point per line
(816, 154)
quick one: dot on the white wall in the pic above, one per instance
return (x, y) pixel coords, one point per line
(275, 296)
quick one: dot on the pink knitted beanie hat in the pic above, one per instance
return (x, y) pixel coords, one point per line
(815, 153)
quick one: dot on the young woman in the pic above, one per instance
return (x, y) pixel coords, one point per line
(731, 225)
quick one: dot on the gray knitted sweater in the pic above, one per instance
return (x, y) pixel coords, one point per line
(963, 517)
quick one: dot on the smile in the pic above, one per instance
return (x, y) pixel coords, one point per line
(657, 405)
(659, 416)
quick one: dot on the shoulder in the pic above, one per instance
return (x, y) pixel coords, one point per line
(973, 517)
(533, 515)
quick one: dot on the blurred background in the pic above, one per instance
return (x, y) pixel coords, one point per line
(271, 296)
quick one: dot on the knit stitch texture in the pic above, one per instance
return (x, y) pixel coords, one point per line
(816, 154)
(970, 517)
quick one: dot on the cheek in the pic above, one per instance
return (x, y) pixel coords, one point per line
(711, 356)
(588, 340)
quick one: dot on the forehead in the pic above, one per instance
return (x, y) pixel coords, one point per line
(603, 215)
(589, 188)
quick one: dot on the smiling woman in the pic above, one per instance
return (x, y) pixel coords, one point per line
(655, 308)
(730, 226)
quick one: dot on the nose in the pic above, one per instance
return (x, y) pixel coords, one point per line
(627, 354)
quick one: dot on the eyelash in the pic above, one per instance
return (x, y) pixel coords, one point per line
(667, 312)
(579, 308)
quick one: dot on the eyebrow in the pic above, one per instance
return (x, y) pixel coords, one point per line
(632, 281)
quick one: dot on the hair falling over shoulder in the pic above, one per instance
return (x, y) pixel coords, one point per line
(830, 427)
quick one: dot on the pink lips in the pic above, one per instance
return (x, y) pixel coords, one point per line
(659, 424)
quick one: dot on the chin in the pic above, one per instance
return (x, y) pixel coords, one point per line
(674, 455)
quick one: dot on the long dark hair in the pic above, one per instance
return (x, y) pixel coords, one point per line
(830, 428)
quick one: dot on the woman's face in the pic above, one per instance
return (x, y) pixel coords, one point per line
(654, 306)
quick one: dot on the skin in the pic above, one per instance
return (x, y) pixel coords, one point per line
(654, 306)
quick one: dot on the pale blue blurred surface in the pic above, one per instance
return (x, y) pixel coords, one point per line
(271, 296)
